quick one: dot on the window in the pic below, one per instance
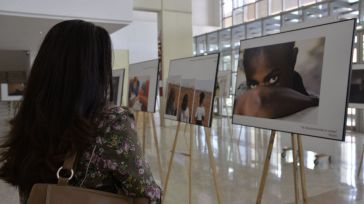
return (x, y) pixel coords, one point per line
(212, 42)
(275, 6)
(262, 9)
(249, 12)
(238, 34)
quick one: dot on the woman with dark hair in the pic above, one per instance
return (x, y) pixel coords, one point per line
(66, 111)
(185, 112)
(170, 108)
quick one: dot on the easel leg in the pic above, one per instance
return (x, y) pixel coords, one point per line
(212, 163)
(241, 127)
(144, 128)
(157, 148)
(190, 166)
(294, 150)
(266, 167)
(361, 162)
(170, 162)
(302, 169)
(136, 114)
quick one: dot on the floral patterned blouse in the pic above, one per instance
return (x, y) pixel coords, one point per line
(115, 163)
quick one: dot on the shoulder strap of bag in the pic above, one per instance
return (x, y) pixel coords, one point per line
(67, 165)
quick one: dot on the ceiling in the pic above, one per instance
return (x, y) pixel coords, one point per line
(27, 32)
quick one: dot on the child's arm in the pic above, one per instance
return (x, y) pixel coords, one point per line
(272, 102)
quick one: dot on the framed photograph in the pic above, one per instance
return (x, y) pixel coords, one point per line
(190, 89)
(118, 83)
(12, 91)
(296, 81)
(143, 84)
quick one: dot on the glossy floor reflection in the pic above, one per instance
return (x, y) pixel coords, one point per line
(239, 153)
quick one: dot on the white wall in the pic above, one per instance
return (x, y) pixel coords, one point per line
(206, 13)
(114, 10)
(140, 37)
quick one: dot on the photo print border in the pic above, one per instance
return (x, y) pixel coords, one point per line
(154, 88)
(332, 70)
(120, 89)
(213, 91)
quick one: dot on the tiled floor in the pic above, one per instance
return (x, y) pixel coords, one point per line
(239, 163)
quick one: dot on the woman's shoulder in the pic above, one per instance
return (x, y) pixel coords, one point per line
(114, 115)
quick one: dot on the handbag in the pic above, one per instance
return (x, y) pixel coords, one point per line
(62, 193)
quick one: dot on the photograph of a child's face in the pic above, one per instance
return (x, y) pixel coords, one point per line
(16, 89)
(357, 87)
(201, 106)
(172, 99)
(279, 80)
(138, 93)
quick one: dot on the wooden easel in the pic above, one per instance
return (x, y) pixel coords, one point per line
(361, 161)
(151, 118)
(296, 145)
(211, 158)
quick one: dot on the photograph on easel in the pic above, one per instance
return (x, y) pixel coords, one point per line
(190, 89)
(290, 81)
(143, 81)
(117, 83)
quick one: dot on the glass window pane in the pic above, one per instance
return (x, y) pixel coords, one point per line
(212, 42)
(275, 7)
(225, 39)
(307, 2)
(262, 8)
(272, 25)
(225, 62)
(233, 82)
(362, 54)
(290, 4)
(238, 3)
(254, 29)
(355, 55)
(228, 22)
(235, 60)
(194, 46)
(342, 7)
(238, 16)
(249, 1)
(316, 12)
(292, 17)
(227, 8)
(238, 34)
(249, 12)
(201, 44)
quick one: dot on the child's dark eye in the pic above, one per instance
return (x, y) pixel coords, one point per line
(253, 85)
(273, 80)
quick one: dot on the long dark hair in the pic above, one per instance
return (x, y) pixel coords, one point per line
(184, 102)
(68, 87)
